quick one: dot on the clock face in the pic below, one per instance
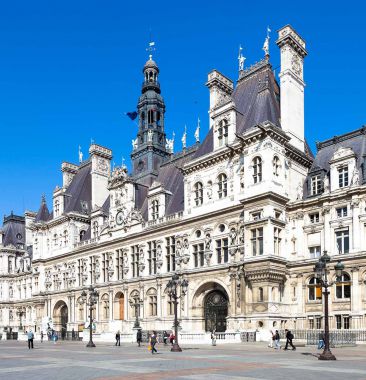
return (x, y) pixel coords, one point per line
(119, 218)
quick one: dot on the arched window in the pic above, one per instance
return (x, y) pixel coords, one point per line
(155, 209)
(343, 287)
(222, 182)
(66, 238)
(152, 299)
(276, 166)
(105, 306)
(81, 234)
(315, 289)
(55, 240)
(198, 193)
(260, 295)
(257, 169)
(222, 134)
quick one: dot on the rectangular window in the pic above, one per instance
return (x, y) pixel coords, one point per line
(315, 252)
(222, 251)
(311, 324)
(119, 264)
(314, 218)
(341, 212)
(342, 238)
(343, 176)
(257, 241)
(135, 261)
(152, 256)
(338, 321)
(316, 185)
(277, 240)
(318, 322)
(170, 305)
(170, 254)
(198, 255)
(256, 215)
(346, 322)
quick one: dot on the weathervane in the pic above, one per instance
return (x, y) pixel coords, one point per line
(266, 43)
(151, 47)
(241, 59)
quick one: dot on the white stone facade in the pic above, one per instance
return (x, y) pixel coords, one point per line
(252, 223)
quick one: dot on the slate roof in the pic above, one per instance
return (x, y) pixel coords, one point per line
(43, 213)
(356, 140)
(78, 193)
(13, 230)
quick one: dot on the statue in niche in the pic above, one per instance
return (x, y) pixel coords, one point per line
(326, 184)
(233, 236)
(150, 135)
(355, 177)
(208, 242)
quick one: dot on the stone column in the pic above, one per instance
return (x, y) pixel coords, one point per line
(111, 305)
(356, 230)
(158, 297)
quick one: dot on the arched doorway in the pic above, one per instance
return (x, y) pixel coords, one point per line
(119, 306)
(60, 317)
(216, 311)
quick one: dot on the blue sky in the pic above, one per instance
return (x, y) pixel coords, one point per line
(69, 70)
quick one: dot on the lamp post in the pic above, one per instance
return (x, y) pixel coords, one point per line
(20, 314)
(321, 272)
(136, 302)
(172, 289)
(90, 298)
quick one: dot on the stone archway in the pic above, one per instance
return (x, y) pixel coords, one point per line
(211, 304)
(216, 311)
(60, 317)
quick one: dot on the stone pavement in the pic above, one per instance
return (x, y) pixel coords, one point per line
(72, 360)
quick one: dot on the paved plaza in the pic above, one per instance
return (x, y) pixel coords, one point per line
(72, 360)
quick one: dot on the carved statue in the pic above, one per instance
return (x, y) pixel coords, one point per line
(209, 190)
(299, 191)
(150, 135)
(326, 184)
(355, 177)
(233, 236)
(208, 242)
(134, 144)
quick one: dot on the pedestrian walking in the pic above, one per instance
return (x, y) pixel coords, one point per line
(153, 341)
(41, 336)
(165, 337)
(30, 339)
(118, 338)
(73, 334)
(277, 340)
(321, 343)
(271, 339)
(139, 337)
(289, 337)
(213, 337)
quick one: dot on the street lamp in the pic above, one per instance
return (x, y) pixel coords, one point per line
(321, 272)
(20, 314)
(136, 302)
(90, 298)
(172, 289)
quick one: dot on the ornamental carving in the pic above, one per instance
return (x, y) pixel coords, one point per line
(296, 65)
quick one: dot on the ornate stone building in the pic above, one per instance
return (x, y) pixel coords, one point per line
(243, 216)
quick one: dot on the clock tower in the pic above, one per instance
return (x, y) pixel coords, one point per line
(149, 147)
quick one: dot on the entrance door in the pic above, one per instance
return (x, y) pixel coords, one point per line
(216, 307)
(63, 320)
(122, 307)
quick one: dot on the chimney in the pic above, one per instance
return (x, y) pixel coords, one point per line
(101, 167)
(293, 52)
(68, 172)
(220, 87)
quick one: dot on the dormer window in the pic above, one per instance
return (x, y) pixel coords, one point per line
(198, 193)
(95, 229)
(341, 212)
(257, 169)
(222, 182)
(155, 209)
(57, 207)
(223, 132)
(316, 184)
(314, 218)
(343, 176)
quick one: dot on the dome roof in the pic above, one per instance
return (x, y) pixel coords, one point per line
(151, 63)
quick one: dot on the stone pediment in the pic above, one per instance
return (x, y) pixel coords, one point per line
(341, 154)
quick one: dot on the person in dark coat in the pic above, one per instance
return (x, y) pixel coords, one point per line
(289, 337)
(153, 341)
(30, 339)
(118, 338)
(139, 337)
(321, 341)
(165, 337)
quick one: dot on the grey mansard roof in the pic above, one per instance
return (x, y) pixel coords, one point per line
(43, 214)
(78, 193)
(13, 230)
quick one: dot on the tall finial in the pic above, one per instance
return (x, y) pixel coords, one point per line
(241, 59)
(43, 199)
(197, 132)
(184, 138)
(266, 43)
(123, 163)
(80, 155)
